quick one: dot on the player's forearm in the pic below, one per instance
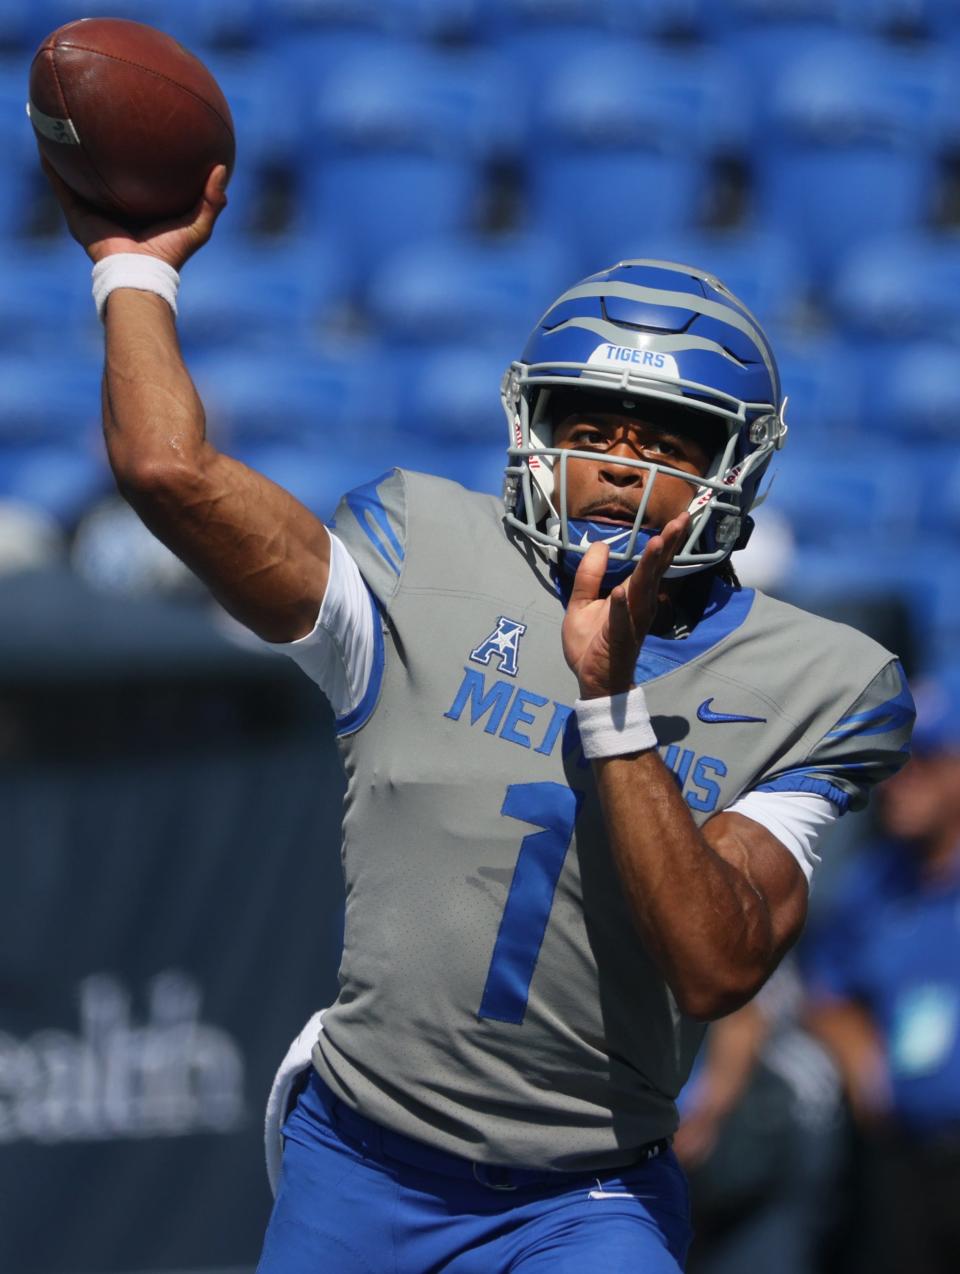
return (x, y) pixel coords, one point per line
(261, 553)
(153, 419)
(707, 928)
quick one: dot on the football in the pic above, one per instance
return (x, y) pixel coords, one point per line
(130, 119)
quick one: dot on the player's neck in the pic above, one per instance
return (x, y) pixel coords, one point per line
(681, 603)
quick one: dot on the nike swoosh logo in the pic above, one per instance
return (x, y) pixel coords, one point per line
(585, 540)
(705, 713)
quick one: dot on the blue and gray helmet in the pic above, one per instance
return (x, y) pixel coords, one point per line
(646, 332)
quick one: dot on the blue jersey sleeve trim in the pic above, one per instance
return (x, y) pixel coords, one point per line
(808, 781)
(361, 714)
(365, 504)
(881, 718)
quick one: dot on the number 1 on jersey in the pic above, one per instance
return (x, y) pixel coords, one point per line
(553, 807)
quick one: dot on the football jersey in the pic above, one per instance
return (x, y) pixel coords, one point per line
(495, 998)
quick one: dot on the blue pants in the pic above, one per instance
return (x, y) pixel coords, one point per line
(355, 1198)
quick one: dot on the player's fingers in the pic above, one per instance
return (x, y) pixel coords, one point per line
(212, 202)
(674, 534)
(622, 630)
(642, 584)
(215, 191)
(589, 576)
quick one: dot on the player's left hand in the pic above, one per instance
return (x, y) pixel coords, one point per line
(602, 636)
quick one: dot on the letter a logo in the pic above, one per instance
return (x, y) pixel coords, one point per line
(503, 644)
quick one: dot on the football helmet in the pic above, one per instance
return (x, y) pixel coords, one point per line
(644, 330)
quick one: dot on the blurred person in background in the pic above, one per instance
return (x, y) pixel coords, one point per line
(883, 966)
(759, 1137)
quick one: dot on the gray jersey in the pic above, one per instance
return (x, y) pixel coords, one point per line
(495, 1000)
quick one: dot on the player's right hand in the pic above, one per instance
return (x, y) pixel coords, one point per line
(171, 241)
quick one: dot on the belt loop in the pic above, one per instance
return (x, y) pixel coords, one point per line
(486, 1175)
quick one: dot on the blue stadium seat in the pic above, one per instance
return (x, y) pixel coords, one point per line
(198, 24)
(619, 17)
(900, 287)
(279, 295)
(938, 465)
(450, 394)
(623, 145)
(763, 268)
(336, 397)
(860, 497)
(913, 393)
(478, 291)
(62, 481)
(851, 146)
(399, 145)
(45, 303)
(822, 382)
(54, 13)
(266, 111)
(23, 25)
(23, 182)
(333, 14)
(52, 400)
(885, 16)
(441, 20)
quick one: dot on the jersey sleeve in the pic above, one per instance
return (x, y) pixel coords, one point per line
(797, 819)
(343, 652)
(869, 741)
(371, 521)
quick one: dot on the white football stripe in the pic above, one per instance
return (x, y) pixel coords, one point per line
(58, 130)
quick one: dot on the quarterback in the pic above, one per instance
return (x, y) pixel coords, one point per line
(587, 771)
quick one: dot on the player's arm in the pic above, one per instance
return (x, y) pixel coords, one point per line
(263, 555)
(848, 1031)
(716, 907)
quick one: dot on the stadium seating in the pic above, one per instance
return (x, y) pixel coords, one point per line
(417, 179)
(451, 394)
(899, 287)
(399, 141)
(472, 290)
(269, 296)
(60, 481)
(851, 147)
(45, 305)
(912, 392)
(624, 145)
(22, 179)
(824, 389)
(342, 392)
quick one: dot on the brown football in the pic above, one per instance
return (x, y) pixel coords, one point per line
(130, 119)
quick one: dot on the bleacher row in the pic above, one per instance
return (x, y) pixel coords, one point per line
(416, 179)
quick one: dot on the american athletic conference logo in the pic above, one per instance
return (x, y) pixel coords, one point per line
(502, 644)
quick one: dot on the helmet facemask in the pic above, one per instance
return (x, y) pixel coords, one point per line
(535, 490)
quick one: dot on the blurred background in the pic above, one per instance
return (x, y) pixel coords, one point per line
(416, 180)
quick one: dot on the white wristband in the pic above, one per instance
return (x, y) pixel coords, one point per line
(134, 270)
(615, 725)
